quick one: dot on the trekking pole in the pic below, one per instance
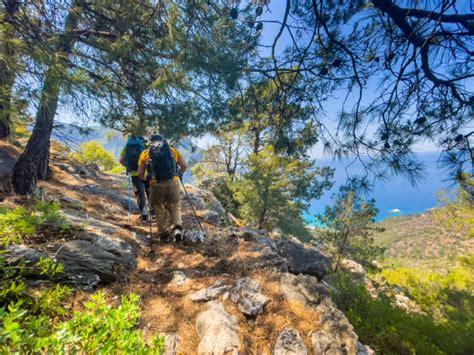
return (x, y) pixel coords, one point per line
(129, 181)
(192, 207)
(150, 218)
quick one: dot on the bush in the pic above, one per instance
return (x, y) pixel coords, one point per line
(101, 328)
(94, 152)
(35, 319)
(21, 222)
(391, 330)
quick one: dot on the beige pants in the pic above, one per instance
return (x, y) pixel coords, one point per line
(165, 198)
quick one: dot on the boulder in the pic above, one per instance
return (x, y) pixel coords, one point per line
(107, 259)
(303, 260)
(304, 289)
(204, 200)
(290, 343)
(210, 293)
(247, 294)
(355, 269)
(217, 331)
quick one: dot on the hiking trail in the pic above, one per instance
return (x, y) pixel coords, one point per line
(237, 292)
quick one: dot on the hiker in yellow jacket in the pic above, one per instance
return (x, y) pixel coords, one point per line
(162, 164)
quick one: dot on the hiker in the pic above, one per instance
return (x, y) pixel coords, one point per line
(163, 165)
(129, 159)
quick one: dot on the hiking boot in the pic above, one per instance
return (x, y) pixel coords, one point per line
(178, 235)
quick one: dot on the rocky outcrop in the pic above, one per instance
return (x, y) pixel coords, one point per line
(217, 331)
(335, 334)
(290, 343)
(303, 260)
(247, 294)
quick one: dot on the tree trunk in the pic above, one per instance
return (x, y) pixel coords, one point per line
(7, 70)
(34, 160)
(43, 167)
(263, 214)
(256, 142)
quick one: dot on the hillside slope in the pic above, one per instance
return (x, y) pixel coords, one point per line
(427, 240)
(263, 296)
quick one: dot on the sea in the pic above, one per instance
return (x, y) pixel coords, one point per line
(395, 196)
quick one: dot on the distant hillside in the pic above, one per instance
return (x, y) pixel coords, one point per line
(432, 240)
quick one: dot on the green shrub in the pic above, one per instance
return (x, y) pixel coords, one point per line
(94, 152)
(22, 222)
(101, 328)
(35, 319)
(391, 330)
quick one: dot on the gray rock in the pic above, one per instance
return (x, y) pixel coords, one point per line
(204, 200)
(171, 343)
(84, 281)
(108, 259)
(290, 343)
(217, 331)
(71, 201)
(247, 294)
(193, 236)
(364, 349)
(355, 269)
(88, 170)
(269, 258)
(246, 234)
(304, 289)
(209, 293)
(22, 254)
(303, 260)
(114, 196)
(179, 278)
(335, 334)
(211, 217)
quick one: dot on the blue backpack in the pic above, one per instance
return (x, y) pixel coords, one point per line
(135, 146)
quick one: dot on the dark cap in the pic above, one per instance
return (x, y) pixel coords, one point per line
(156, 138)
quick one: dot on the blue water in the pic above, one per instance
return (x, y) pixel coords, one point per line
(395, 194)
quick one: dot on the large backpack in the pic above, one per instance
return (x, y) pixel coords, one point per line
(135, 146)
(162, 164)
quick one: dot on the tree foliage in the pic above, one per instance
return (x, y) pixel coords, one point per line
(275, 189)
(349, 227)
(402, 69)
